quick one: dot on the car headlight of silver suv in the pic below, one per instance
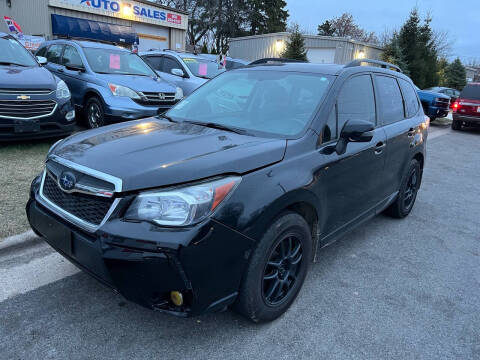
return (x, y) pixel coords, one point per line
(179, 94)
(119, 90)
(182, 206)
(62, 90)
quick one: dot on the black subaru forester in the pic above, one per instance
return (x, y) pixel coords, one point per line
(225, 199)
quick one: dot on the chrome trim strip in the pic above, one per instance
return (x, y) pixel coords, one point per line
(469, 104)
(31, 118)
(26, 92)
(83, 189)
(83, 169)
(72, 218)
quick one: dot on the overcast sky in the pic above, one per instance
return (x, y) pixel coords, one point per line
(461, 18)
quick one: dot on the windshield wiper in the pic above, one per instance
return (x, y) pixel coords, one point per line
(12, 63)
(218, 126)
(203, 77)
(168, 118)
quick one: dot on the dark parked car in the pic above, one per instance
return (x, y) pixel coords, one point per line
(33, 102)
(226, 199)
(108, 83)
(453, 94)
(466, 110)
(435, 105)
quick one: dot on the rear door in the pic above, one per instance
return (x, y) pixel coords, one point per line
(350, 182)
(398, 119)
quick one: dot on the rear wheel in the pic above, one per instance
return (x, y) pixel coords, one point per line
(276, 270)
(456, 125)
(408, 192)
(94, 113)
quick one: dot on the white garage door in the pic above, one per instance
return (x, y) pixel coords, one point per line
(151, 37)
(321, 56)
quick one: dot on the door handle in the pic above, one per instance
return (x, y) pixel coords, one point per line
(379, 147)
(411, 132)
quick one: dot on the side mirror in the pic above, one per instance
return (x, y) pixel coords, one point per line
(354, 131)
(73, 67)
(177, 72)
(42, 60)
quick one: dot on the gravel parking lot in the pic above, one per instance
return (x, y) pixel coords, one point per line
(407, 289)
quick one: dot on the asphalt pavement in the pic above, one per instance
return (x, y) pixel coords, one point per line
(392, 289)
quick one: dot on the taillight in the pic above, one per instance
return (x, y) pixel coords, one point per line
(455, 106)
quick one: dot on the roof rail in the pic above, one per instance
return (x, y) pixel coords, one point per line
(382, 64)
(275, 60)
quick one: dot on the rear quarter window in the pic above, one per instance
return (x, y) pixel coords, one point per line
(390, 99)
(410, 96)
(471, 92)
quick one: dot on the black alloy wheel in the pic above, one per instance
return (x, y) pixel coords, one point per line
(276, 269)
(411, 189)
(94, 113)
(281, 270)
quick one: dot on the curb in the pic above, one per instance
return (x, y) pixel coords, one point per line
(19, 240)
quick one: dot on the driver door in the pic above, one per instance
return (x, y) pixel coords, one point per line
(349, 184)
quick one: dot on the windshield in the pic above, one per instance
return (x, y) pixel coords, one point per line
(268, 102)
(12, 52)
(106, 61)
(202, 67)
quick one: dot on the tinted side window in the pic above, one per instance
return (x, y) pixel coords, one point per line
(356, 101)
(390, 99)
(54, 53)
(410, 96)
(169, 64)
(154, 61)
(71, 56)
(42, 52)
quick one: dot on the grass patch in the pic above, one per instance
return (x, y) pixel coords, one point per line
(19, 164)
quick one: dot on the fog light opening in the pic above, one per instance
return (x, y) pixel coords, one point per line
(176, 297)
(70, 115)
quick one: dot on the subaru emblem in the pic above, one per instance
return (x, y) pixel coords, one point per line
(67, 181)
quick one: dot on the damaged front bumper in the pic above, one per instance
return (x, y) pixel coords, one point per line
(145, 263)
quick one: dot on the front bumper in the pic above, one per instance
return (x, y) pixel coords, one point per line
(145, 263)
(56, 125)
(437, 112)
(124, 109)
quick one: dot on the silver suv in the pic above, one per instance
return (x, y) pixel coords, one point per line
(186, 70)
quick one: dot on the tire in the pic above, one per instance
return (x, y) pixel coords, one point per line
(289, 234)
(94, 113)
(456, 125)
(408, 192)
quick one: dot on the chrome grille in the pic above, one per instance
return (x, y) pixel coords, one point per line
(444, 103)
(25, 91)
(91, 209)
(157, 98)
(26, 109)
(87, 204)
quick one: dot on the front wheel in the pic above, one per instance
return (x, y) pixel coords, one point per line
(94, 113)
(408, 191)
(277, 269)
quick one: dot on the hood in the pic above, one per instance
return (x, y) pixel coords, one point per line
(18, 77)
(151, 152)
(433, 94)
(138, 83)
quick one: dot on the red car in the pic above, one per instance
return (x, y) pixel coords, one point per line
(466, 109)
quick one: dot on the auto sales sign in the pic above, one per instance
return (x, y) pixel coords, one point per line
(126, 9)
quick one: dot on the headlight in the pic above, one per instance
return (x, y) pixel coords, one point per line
(62, 90)
(182, 206)
(179, 94)
(119, 90)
